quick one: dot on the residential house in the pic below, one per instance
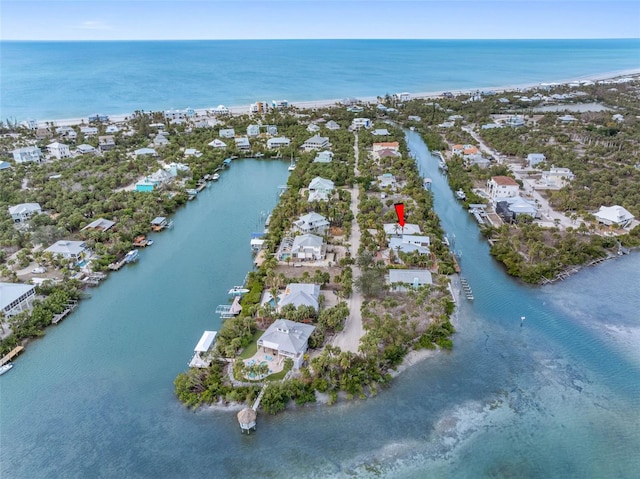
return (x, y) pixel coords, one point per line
(308, 247)
(490, 126)
(217, 144)
(27, 154)
(98, 118)
(404, 96)
(85, 149)
(614, 216)
(511, 207)
(106, 143)
(144, 152)
(173, 168)
(385, 145)
(227, 133)
(414, 118)
(502, 187)
(355, 109)
(174, 115)
(111, 129)
(287, 339)
(399, 244)
(272, 130)
(300, 294)
(311, 223)
(567, 118)
(30, 124)
(332, 125)
(464, 150)
(15, 298)
(278, 142)
(514, 121)
(192, 152)
(316, 142)
(313, 128)
(477, 159)
(220, 110)
(24, 211)
(75, 250)
(320, 189)
(325, 156)
(380, 132)
(160, 140)
(534, 158)
(145, 185)
(278, 104)
(242, 143)
(88, 130)
(361, 123)
(259, 107)
(387, 180)
(557, 177)
(253, 131)
(4, 165)
(58, 150)
(399, 279)
(99, 225)
(618, 117)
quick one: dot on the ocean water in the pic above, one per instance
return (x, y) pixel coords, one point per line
(53, 80)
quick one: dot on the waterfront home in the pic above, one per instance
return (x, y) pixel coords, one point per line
(511, 207)
(201, 357)
(161, 177)
(15, 298)
(85, 149)
(355, 109)
(380, 132)
(192, 152)
(68, 249)
(174, 168)
(42, 133)
(477, 159)
(399, 244)
(253, 131)
(98, 118)
(308, 247)
(259, 107)
(404, 96)
(394, 229)
(159, 223)
(316, 142)
(220, 110)
(614, 216)
(325, 156)
(88, 130)
(24, 211)
(66, 131)
(278, 142)
(398, 279)
(464, 150)
(534, 158)
(287, 339)
(502, 187)
(361, 123)
(385, 145)
(110, 129)
(144, 152)
(106, 143)
(332, 125)
(174, 114)
(30, 124)
(227, 133)
(311, 223)
(217, 144)
(242, 143)
(617, 117)
(27, 154)
(300, 294)
(99, 224)
(278, 104)
(145, 185)
(557, 177)
(320, 189)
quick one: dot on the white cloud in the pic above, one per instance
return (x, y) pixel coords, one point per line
(93, 25)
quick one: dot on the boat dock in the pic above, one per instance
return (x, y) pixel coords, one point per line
(227, 311)
(117, 265)
(466, 289)
(479, 212)
(11, 354)
(71, 305)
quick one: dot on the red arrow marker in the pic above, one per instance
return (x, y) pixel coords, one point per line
(400, 212)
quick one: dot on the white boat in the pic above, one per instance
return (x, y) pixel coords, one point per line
(5, 367)
(215, 177)
(131, 256)
(238, 291)
(461, 195)
(149, 242)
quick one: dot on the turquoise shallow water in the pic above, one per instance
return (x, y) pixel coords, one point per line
(558, 397)
(53, 80)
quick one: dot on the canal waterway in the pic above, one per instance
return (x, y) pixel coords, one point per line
(557, 397)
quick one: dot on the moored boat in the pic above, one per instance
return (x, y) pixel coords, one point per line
(238, 291)
(460, 194)
(131, 256)
(5, 367)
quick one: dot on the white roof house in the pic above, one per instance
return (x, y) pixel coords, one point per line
(398, 278)
(313, 128)
(287, 338)
(242, 143)
(316, 142)
(220, 110)
(100, 224)
(332, 125)
(68, 249)
(308, 247)
(361, 123)
(24, 211)
(199, 359)
(557, 177)
(311, 223)
(160, 140)
(320, 189)
(27, 154)
(85, 149)
(227, 133)
(519, 206)
(192, 152)
(88, 130)
(278, 142)
(300, 294)
(325, 156)
(59, 150)
(387, 180)
(380, 132)
(145, 151)
(614, 215)
(399, 245)
(16, 297)
(253, 130)
(534, 158)
(217, 144)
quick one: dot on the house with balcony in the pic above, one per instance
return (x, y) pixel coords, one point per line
(227, 133)
(316, 142)
(253, 131)
(502, 187)
(106, 143)
(27, 154)
(614, 216)
(311, 223)
(320, 189)
(74, 250)
(325, 156)
(534, 158)
(58, 150)
(308, 247)
(357, 123)
(300, 294)
(557, 177)
(287, 339)
(24, 211)
(278, 142)
(15, 298)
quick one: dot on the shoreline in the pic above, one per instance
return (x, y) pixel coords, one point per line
(324, 103)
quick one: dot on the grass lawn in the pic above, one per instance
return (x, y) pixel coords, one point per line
(278, 376)
(253, 347)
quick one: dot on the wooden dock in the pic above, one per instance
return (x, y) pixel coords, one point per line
(11, 354)
(466, 289)
(117, 265)
(71, 305)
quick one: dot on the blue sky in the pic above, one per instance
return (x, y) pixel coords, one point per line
(262, 19)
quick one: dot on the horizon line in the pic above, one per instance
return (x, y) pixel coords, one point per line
(307, 39)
